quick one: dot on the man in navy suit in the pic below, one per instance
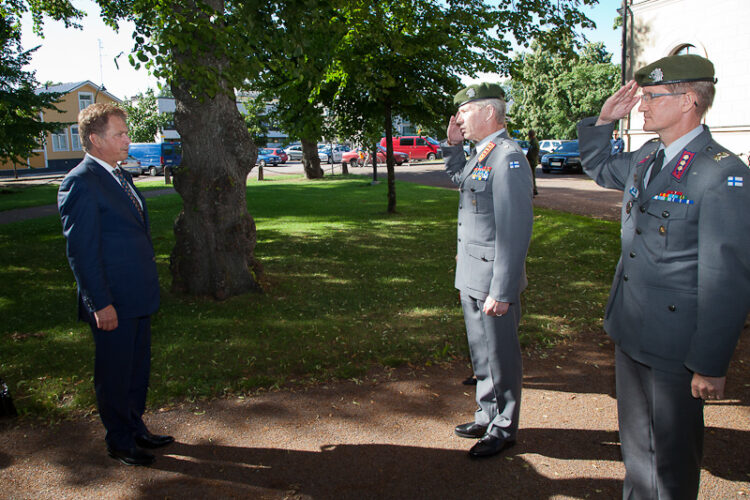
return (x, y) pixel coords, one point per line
(105, 222)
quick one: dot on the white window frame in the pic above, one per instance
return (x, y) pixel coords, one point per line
(90, 100)
(75, 139)
(56, 137)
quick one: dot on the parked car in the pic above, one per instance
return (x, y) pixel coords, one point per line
(156, 156)
(353, 158)
(399, 156)
(550, 145)
(294, 152)
(265, 157)
(280, 153)
(417, 147)
(524, 145)
(566, 158)
(131, 165)
(331, 157)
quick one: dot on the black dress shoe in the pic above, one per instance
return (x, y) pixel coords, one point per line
(489, 445)
(152, 441)
(469, 380)
(133, 456)
(471, 430)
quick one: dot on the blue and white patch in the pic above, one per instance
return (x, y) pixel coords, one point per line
(515, 164)
(734, 181)
(633, 192)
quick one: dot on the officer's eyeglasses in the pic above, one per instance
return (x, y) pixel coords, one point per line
(648, 96)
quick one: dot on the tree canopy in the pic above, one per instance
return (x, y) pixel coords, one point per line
(551, 91)
(144, 118)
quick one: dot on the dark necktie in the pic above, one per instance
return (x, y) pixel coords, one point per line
(656, 166)
(121, 177)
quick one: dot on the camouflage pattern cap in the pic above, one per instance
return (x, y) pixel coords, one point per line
(479, 91)
(676, 69)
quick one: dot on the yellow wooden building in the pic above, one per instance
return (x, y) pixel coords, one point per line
(62, 150)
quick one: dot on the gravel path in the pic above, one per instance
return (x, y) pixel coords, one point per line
(389, 435)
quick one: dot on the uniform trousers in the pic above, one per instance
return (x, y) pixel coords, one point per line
(496, 359)
(661, 431)
(121, 375)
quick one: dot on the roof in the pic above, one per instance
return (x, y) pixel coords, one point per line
(66, 88)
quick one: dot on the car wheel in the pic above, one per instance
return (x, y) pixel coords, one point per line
(262, 163)
(152, 171)
(431, 156)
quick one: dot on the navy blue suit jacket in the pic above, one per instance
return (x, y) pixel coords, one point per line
(108, 244)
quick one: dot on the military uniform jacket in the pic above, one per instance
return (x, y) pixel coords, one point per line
(681, 291)
(495, 217)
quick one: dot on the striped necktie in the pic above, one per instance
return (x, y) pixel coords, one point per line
(124, 183)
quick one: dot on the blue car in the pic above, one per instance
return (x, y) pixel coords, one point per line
(566, 158)
(266, 156)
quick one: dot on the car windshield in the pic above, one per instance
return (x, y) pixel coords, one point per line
(568, 147)
(432, 141)
(523, 144)
(265, 151)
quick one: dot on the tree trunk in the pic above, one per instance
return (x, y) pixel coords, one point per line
(389, 161)
(311, 160)
(215, 235)
(374, 157)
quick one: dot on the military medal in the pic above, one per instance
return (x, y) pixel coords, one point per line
(481, 171)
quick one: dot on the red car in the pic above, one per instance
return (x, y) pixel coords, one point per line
(280, 153)
(353, 158)
(399, 157)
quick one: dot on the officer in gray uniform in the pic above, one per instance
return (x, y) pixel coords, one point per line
(681, 290)
(495, 216)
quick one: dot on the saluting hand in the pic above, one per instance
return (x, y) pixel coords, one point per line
(455, 137)
(619, 104)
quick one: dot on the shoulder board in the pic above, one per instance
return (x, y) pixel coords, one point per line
(655, 139)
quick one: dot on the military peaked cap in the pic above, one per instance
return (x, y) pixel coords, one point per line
(479, 91)
(676, 69)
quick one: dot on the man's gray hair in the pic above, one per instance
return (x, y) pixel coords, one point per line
(497, 104)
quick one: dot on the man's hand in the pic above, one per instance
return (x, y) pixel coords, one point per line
(495, 308)
(619, 104)
(455, 137)
(106, 319)
(707, 387)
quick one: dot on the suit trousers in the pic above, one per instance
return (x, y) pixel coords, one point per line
(661, 431)
(496, 359)
(121, 375)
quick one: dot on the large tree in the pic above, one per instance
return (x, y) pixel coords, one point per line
(552, 91)
(21, 127)
(407, 56)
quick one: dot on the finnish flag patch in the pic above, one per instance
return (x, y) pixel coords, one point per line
(514, 164)
(734, 181)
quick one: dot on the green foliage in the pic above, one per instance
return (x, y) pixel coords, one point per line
(21, 129)
(144, 119)
(552, 91)
(349, 288)
(256, 120)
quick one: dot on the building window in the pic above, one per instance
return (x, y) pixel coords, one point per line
(684, 50)
(85, 99)
(60, 140)
(75, 138)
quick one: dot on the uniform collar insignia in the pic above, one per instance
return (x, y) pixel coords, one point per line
(682, 165)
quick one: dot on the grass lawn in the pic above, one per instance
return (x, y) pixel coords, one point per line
(348, 288)
(24, 196)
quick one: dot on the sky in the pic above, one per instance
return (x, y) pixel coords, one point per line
(71, 55)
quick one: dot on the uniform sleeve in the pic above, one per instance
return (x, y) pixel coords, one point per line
(514, 215)
(82, 227)
(723, 271)
(609, 171)
(454, 160)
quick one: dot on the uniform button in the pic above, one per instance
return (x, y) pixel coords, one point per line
(662, 230)
(632, 255)
(473, 190)
(625, 278)
(637, 230)
(642, 209)
(673, 308)
(665, 214)
(460, 207)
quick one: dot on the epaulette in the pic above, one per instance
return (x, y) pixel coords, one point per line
(655, 139)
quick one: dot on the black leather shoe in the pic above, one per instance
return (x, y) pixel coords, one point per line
(489, 445)
(133, 456)
(471, 430)
(469, 380)
(152, 441)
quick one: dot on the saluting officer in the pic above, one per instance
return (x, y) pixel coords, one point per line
(681, 291)
(495, 216)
